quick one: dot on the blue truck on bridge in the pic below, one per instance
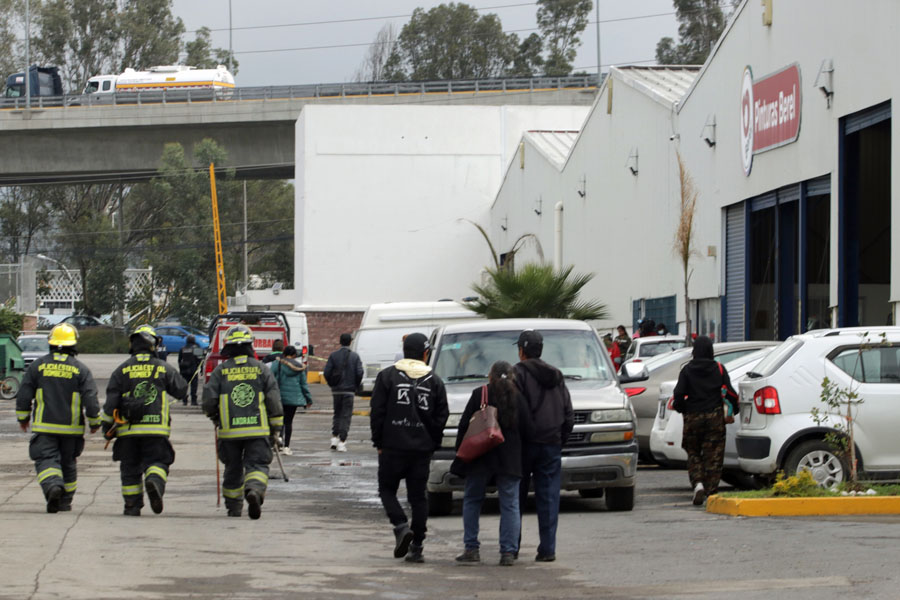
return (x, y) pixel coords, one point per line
(45, 81)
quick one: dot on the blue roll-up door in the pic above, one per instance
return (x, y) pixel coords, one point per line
(735, 273)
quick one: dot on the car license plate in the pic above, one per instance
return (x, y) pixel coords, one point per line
(746, 413)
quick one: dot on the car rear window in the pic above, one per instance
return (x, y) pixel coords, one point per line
(776, 358)
(469, 355)
(655, 348)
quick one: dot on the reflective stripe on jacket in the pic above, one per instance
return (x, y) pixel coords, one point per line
(243, 395)
(63, 391)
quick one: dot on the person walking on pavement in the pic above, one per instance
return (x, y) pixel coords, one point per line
(502, 464)
(287, 370)
(409, 411)
(548, 400)
(136, 413)
(703, 385)
(344, 373)
(64, 391)
(242, 399)
(189, 358)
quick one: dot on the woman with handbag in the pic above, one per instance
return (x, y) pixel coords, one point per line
(705, 398)
(287, 371)
(502, 463)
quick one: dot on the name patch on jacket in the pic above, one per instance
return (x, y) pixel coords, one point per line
(241, 373)
(142, 371)
(58, 370)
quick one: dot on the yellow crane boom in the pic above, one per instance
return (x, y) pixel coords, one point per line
(217, 234)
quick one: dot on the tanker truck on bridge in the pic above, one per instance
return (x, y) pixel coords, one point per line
(170, 80)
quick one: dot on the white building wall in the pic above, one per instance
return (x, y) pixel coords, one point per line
(382, 193)
(861, 39)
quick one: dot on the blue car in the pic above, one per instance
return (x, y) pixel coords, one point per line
(175, 336)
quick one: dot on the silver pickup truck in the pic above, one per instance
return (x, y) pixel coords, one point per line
(600, 456)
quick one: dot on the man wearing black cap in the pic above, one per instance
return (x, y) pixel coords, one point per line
(545, 391)
(409, 411)
(344, 373)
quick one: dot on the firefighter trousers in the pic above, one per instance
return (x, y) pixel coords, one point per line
(55, 458)
(142, 458)
(246, 468)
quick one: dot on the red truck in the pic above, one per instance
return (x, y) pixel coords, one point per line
(266, 327)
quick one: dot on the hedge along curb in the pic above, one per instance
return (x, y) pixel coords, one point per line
(802, 507)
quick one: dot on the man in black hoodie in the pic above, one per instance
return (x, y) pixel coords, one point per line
(409, 411)
(702, 389)
(545, 391)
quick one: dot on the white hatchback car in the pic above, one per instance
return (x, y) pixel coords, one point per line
(777, 430)
(643, 348)
(668, 426)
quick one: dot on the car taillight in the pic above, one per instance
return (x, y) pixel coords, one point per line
(635, 391)
(670, 405)
(766, 401)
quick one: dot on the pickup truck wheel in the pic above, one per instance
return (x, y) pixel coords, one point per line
(819, 458)
(592, 493)
(620, 498)
(440, 504)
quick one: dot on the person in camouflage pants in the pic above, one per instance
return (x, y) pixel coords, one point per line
(702, 395)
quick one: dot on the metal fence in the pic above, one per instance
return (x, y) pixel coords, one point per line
(312, 91)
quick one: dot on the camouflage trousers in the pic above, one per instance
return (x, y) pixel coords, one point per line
(704, 441)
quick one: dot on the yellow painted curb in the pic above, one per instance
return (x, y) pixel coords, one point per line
(800, 507)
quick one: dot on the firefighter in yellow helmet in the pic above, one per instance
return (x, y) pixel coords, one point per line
(243, 400)
(63, 392)
(136, 413)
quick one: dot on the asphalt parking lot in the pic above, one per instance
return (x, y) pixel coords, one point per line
(323, 534)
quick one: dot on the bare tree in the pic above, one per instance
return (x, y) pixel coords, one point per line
(372, 67)
(684, 234)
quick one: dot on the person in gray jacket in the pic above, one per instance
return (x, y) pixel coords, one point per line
(344, 373)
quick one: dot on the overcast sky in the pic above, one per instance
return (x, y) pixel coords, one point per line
(280, 42)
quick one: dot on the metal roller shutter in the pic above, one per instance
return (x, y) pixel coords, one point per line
(735, 273)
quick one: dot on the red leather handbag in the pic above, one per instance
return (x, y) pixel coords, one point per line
(483, 434)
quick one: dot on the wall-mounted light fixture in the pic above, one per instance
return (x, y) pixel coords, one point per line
(505, 223)
(709, 131)
(583, 191)
(539, 206)
(825, 80)
(632, 162)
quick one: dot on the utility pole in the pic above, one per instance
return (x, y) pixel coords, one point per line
(246, 276)
(27, 54)
(599, 68)
(230, 49)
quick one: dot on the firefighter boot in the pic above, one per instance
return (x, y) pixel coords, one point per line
(155, 488)
(254, 503)
(234, 506)
(133, 506)
(53, 498)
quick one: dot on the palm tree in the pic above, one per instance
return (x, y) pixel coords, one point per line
(536, 290)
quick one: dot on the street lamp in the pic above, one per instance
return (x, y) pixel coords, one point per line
(72, 281)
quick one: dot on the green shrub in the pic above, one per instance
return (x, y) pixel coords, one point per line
(801, 484)
(100, 340)
(10, 321)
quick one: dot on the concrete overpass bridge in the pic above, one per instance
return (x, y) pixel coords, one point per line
(80, 138)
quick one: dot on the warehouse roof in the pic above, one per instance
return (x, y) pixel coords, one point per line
(666, 84)
(554, 145)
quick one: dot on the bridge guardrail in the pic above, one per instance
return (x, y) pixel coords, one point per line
(293, 92)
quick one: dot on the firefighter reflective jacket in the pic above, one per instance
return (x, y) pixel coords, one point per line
(243, 397)
(151, 381)
(63, 390)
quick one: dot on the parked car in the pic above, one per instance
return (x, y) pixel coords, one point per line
(84, 321)
(668, 426)
(175, 337)
(33, 347)
(777, 430)
(600, 456)
(645, 395)
(643, 348)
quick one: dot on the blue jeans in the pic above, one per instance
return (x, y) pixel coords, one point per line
(543, 464)
(510, 522)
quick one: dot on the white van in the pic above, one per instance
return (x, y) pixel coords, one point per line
(379, 339)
